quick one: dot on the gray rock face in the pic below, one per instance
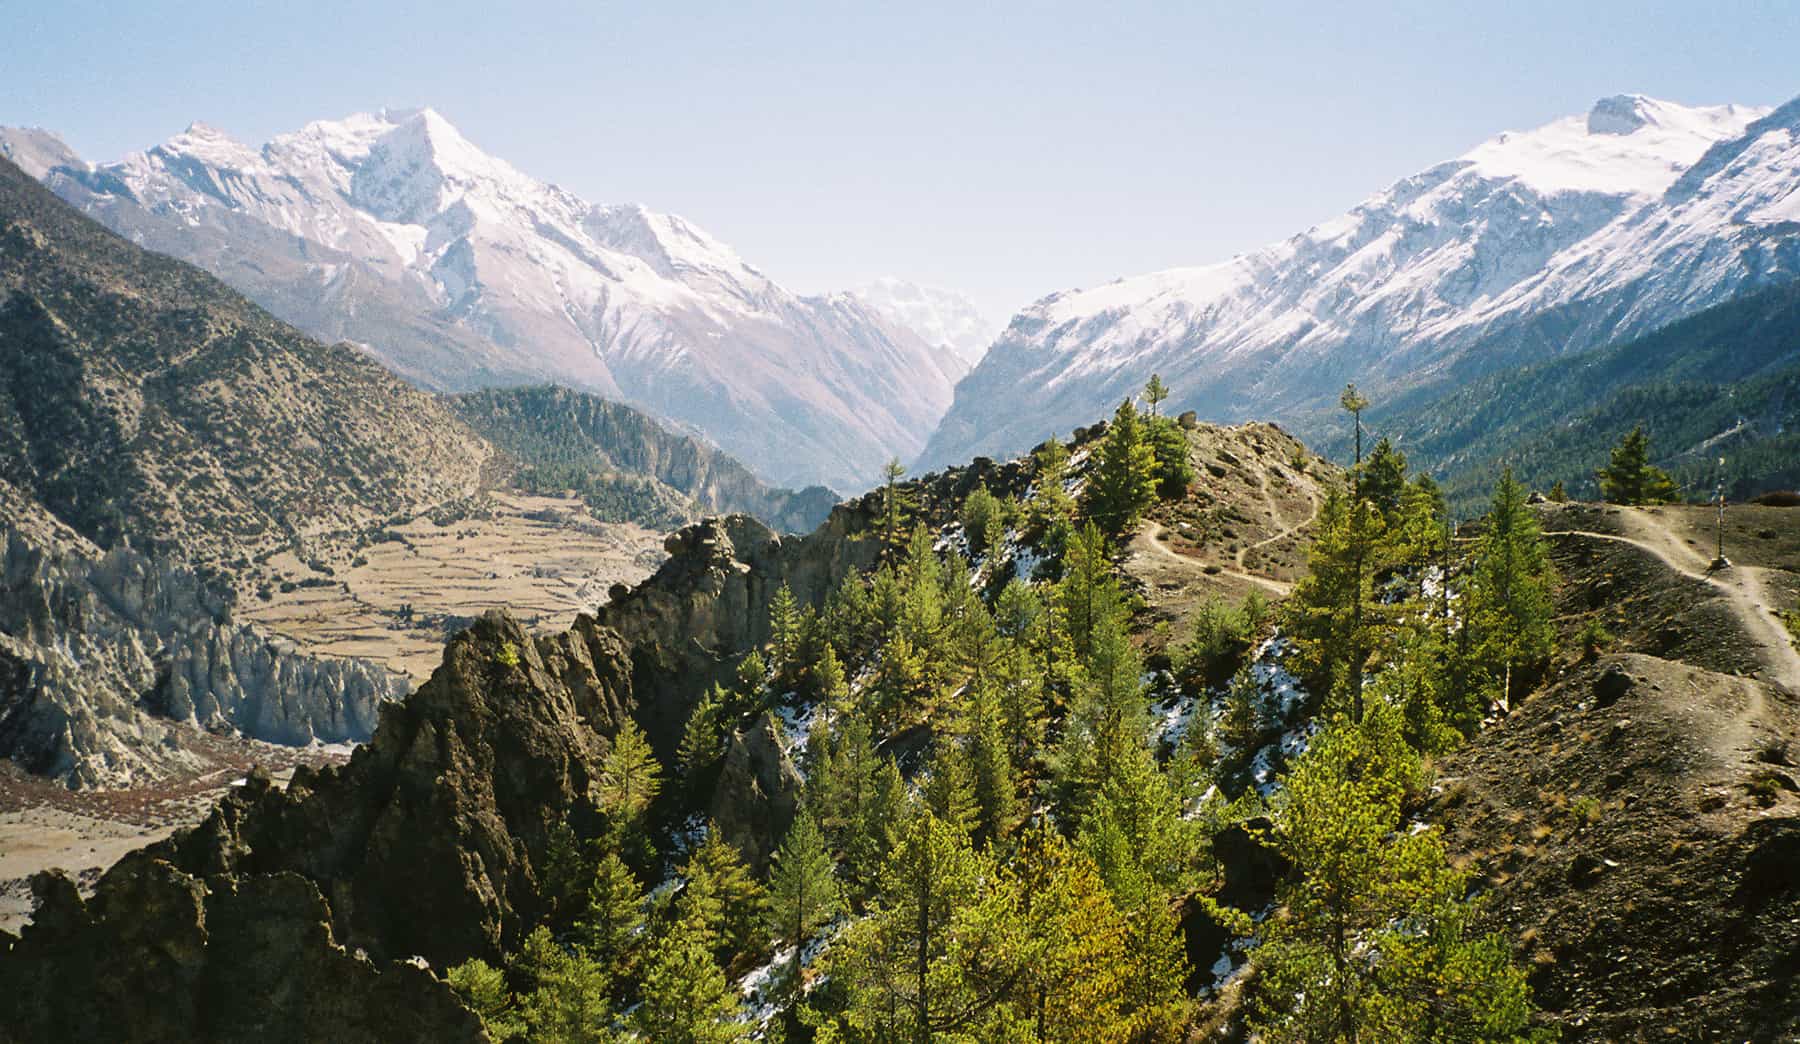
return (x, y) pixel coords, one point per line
(98, 657)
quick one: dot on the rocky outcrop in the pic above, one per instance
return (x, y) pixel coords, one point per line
(161, 954)
(431, 842)
(99, 657)
(758, 792)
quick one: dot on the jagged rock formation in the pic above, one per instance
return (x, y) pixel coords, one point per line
(758, 793)
(161, 954)
(140, 398)
(100, 656)
(567, 438)
(431, 842)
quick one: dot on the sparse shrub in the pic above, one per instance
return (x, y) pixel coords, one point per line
(1593, 637)
(1586, 810)
(508, 656)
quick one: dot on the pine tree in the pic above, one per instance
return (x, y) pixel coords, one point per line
(1155, 392)
(784, 630)
(1510, 597)
(896, 505)
(1051, 508)
(1631, 478)
(1076, 978)
(983, 521)
(483, 988)
(990, 762)
(1123, 483)
(1174, 467)
(1371, 945)
(703, 736)
(803, 890)
(1558, 494)
(687, 999)
(950, 786)
(741, 903)
(568, 1002)
(629, 779)
(1354, 403)
(1384, 477)
(1329, 614)
(608, 927)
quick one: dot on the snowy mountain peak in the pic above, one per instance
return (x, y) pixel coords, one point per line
(1620, 114)
(942, 317)
(1588, 230)
(1627, 145)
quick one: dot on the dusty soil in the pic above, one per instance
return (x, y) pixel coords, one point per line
(1244, 525)
(1636, 823)
(397, 599)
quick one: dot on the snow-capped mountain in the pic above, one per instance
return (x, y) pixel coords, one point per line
(392, 230)
(942, 317)
(1583, 232)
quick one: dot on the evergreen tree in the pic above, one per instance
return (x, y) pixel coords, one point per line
(1558, 494)
(1051, 509)
(1075, 979)
(1155, 393)
(1371, 944)
(803, 890)
(1510, 596)
(941, 952)
(483, 988)
(609, 926)
(1174, 467)
(629, 780)
(1631, 478)
(950, 786)
(896, 505)
(567, 1002)
(716, 867)
(990, 763)
(1329, 613)
(1123, 482)
(1384, 477)
(983, 520)
(686, 998)
(1354, 403)
(703, 736)
(784, 630)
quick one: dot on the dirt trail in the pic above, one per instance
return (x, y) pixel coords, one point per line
(1148, 541)
(1275, 512)
(1749, 602)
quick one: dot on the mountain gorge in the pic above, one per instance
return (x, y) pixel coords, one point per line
(1579, 234)
(393, 231)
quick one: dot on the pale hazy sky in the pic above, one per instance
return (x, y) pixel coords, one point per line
(1002, 150)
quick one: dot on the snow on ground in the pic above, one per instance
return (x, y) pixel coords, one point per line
(796, 725)
(761, 987)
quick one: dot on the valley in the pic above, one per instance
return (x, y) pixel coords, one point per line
(395, 597)
(435, 605)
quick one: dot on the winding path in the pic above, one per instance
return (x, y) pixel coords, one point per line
(1150, 538)
(1744, 594)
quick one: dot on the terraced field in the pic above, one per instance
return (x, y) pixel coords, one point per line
(394, 601)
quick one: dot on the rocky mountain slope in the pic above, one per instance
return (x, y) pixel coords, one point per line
(141, 400)
(1722, 383)
(1578, 234)
(617, 457)
(105, 659)
(393, 231)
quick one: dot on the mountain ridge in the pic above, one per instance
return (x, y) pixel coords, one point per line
(393, 231)
(1574, 235)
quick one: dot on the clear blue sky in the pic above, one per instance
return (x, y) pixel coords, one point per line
(1006, 151)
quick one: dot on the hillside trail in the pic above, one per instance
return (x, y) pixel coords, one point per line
(1275, 512)
(1149, 541)
(1744, 593)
